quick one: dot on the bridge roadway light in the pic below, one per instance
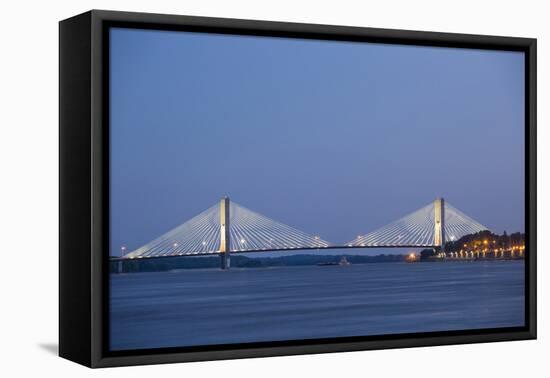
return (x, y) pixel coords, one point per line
(122, 253)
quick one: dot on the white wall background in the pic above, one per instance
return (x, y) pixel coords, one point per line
(29, 186)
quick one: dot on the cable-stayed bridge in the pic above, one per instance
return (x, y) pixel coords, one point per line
(228, 228)
(430, 226)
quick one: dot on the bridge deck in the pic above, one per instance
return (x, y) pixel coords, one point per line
(217, 253)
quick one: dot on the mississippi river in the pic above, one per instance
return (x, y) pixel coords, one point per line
(200, 307)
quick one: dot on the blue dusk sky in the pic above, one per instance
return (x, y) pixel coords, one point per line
(333, 138)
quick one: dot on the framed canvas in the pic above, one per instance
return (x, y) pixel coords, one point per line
(235, 188)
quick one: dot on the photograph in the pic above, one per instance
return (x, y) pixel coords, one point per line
(270, 189)
(274, 189)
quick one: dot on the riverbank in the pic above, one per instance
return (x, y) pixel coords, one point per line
(240, 261)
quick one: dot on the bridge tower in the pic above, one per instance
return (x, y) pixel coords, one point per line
(225, 237)
(439, 223)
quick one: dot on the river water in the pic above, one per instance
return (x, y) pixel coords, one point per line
(202, 307)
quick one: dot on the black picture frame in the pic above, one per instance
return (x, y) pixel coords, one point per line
(84, 194)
